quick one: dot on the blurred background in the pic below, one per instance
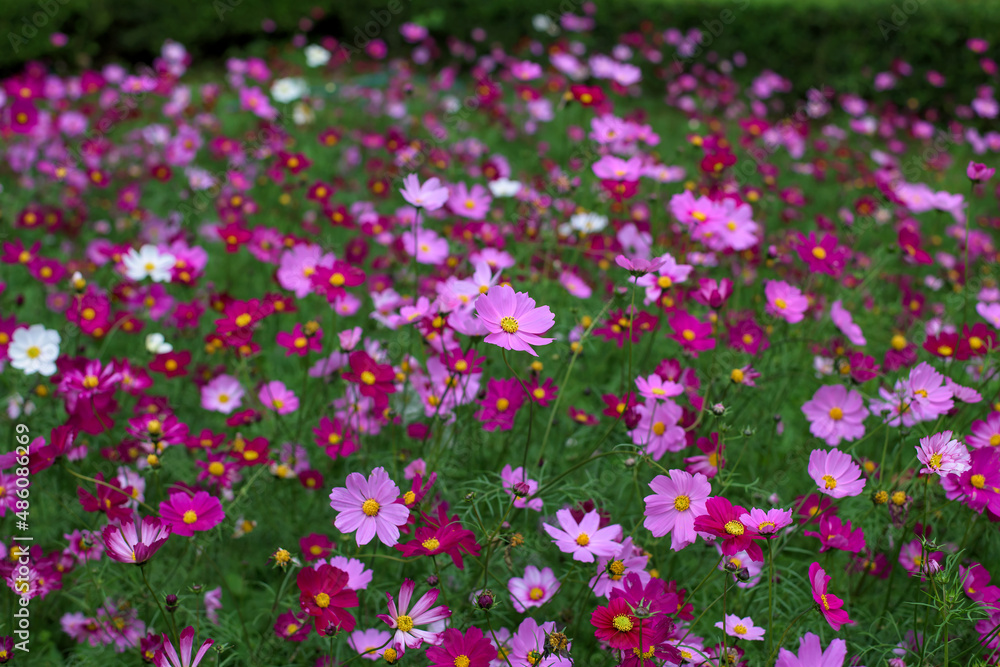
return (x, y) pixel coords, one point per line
(840, 43)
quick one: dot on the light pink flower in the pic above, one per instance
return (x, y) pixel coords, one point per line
(811, 653)
(836, 414)
(369, 507)
(168, 656)
(276, 396)
(430, 196)
(404, 619)
(943, 455)
(785, 301)
(741, 628)
(513, 320)
(223, 394)
(835, 473)
(586, 539)
(675, 503)
(474, 203)
(534, 589)
(843, 320)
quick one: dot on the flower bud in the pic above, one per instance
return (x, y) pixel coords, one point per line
(171, 603)
(484, 600)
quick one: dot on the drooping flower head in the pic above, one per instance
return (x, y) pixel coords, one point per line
(829, 605)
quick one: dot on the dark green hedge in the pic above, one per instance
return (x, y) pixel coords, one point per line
(813, 42)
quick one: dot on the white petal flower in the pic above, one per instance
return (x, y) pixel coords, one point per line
(316, 55)
(150, 263)
(34, 350)
(504, 187)
(288, 89)
(157, 344)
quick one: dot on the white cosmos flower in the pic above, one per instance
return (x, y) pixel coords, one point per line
(302, 114)
(316, 55)
(504, 187)
(157, 344)
(588, 223)
(288, 90)
(150, 263)
(34, 350)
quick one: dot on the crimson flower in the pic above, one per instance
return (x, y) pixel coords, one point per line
(616, 624)
(469, 650)
(723, 520)
(375, 380)
(323, 594)
(829, 605)
(441, 537)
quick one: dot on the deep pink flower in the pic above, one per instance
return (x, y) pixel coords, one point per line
(829, 605)
(722, 519)
(835, 473)
(323, 594)
(785, 301)
(279, 398)
(837, 534)
(133, 541)
(694, 335)
(676, 501)
(188, 514)
(513, 320)
(471, 649)
(979, 172)
(168, 656)
(374, 380)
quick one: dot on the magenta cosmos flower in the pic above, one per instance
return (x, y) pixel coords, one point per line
(430, 196)
(829, 605)
(835, 473)
(722, 519)
(187, 514)
(369, 507)
(836, 414)
(512, 319)
(169, 657)
(785, 301)
(135, 542)
(586, 539)
(943, 455)
(842, 319)
(811, 653)
(471, 649)
(741, 628)
(404, 619)
(534, 589)
(675, 503)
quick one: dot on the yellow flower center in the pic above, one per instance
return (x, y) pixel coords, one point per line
(688, 335)
(898, 342)
(536, 593)
(34, 352)
(836, 414)
(899, 497)
(978, 481)
(538, 393)
(300, 342)
(736, 376)
(216, 469)
(509, 324)
(370, 507)
(831, 483)
(389, 655)
(243, 320)
(681, 503)
(659, 428)
(462, 661)
(88, 314)
(461, 365)
(322, 600)
(819, 253)
(190, 517)
(664, 282)
(740, 629)
(734, 527)
(404, 623)
(617, 568)
(935, 461)
(337, 279)
(291, 629)
(368, 377)
(781, 303)
(583, 539)
(622, 623)
(995, 440)
(430, 544)
(975, 342)
(502, 404)
(945, 350)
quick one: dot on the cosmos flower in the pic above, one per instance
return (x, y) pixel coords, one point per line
(943, 455)
(168, 656)
(534, 589)
(785, 301)
(835, 473)
(829, 605)
(148, 262)
(836, 414)
(676, 501)
(811, 653)
(369, 507)
(133, 541)
(430, 196)
(722, 519)
(585, 539)
(404, 618)
(34, 350)
(471, 649)
(741, 628)
(513, 321)
(189, 514)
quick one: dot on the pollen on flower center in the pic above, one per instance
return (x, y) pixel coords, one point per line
(819, 253)
(935, 461)
(502, 404)
(646, 655)
(216, 469)
(995, 440)
(765, 526)
(409, 497)
(836, 414)
(368, 377)
(826, 605)
(243, 320)
(462, 661)
(734, 527)
(431, 543)
(617, 568)
(583, 539)
(831, 483)
(509, 324)
(370, 507)
(322, 600)
(664, 282)
(622, 623)
(781, 303)
(978, 481)
(688, 335)
(681, 503)
(404, 623)
(536, 593)
(190, 517)
(659, 428)
(740, 629)
(33, 352)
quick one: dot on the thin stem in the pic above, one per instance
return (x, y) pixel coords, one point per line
(156, 598)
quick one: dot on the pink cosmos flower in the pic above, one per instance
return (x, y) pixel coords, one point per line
(811, 653)
(675, 503)
(168, 656)
(656, 388)
(931, 398)
(513, 320)
(985, 433)
(836, 414)
(657, 431)
(978, 172)
(741, 628)
(426, 246)
(367, 642)
(829, 605)
(430, 196)
(586, 539)
(835, 473)
(369, 507)
(186, 514)
(511, 479)
(611, 570)
(534, 589)
(694, 335)
(843, 321)
(135, 542)
(276, 396)
(943, 455)
(474, 203)
(222, 394)
(767, 522)
(785, 301)
(404, 619)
